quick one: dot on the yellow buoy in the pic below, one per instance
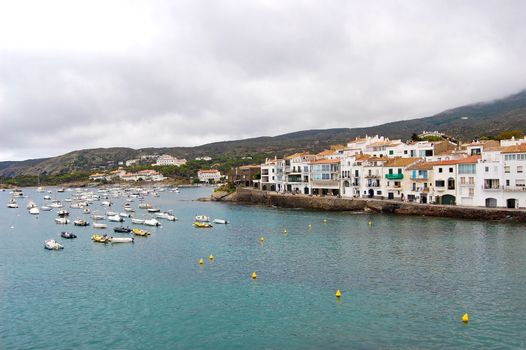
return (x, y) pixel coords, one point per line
(370, 223)
(211, 257)
(262, 239)
(254, 275)
(324, 221)
(310, 226)
(200, 261)
(338, 293)
(465, 318)
(285, 231)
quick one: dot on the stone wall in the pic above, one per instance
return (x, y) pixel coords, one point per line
(247, 195)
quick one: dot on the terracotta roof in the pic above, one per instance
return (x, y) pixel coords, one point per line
(209, 171)
(421, 166)
(514, 149)
(295, 155)
(97, 174)
(400, 162)
(468, 160)
(327, 152)
(325, 161)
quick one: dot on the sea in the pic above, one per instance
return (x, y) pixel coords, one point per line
(405, 281)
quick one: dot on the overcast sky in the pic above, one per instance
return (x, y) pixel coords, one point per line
(104, 73)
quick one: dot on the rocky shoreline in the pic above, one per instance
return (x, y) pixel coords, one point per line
(247, 195)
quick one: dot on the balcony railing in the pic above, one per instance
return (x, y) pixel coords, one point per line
(394, 176)
(372, 176)
(419, 178)
(514, 188)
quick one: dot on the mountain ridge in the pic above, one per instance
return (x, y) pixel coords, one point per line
(465, 122)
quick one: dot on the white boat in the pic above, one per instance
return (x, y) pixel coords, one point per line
(202, 218)
(80, 222)
(62, 221)
(129, 209)
(111, 213)
(121, 239)
(12, 204)
(125, 215)
(166, 216)
(152, 222)
(47, 197)
(34, 211)
(137, 221)
(99, 225)
(40, 189)
(51, 244)
(61, 189)
(145, 206)
(115, 218)
(106, 203)
(56, 204)
(45, 208)
(86, 211)
(153, 210)
(220, 221)
(62, 212)
(30, 205)
(98, 217)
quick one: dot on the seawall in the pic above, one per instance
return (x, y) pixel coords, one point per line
(247, 195)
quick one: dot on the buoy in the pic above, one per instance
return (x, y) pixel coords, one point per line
(370, 223)
(254, 275)
(310, 226)
(465, 318)
(285, 231)
(338, 293)
(324, 221)
(201, 261)
(262, 239)
(211, 257)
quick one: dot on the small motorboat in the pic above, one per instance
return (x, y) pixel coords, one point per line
(98, 217)
(138, 221)
(80, 222)
(100, 238)
(145, 206)
(202, 218)
(220, 221)
(34, 211)
(86, 211)
(201, 224)
(122, 229)
(30, 205)
(152, 222)
(111, 213)
(45, 208)
(62, 221)
(98, 225)
(167, 216)
(51, 244)
(68, 235)
(129, 209)
(115, 218)
(47, 197)
(62, 212)
(139, 232)
(121, 240)
(125, 215)
(153, 210)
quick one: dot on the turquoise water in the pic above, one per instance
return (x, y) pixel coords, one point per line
(405, 281)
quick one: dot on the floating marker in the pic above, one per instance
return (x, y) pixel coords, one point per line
(200, 261)
(285, 231)
(324, 221)
(370, 223)
(262, 239)
(211, 257)
(310, 226)
(254, 275)
(338, 293)
(465, 318)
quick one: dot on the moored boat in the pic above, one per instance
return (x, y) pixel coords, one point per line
(166, 216)
(67, 235)
(122, 229)
(99, 225)
(152, 222)
(121, 240)
(62, 212)
(202, 224)
(115, 218)
(80, 222)
(51, 244)
(139, 232)
(34, 211)
(153, 210)
(220, 221)
(62, 221)
(45, 208)
(100, 238)
(137, 221)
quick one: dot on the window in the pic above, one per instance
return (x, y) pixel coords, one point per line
(379, 193)
(450, 170)
(462, 180)
(391, 152)
(519, 183)
(399, 171)
(507, 169)
(507, 182)
(519, 169)
(466, 169)
(471, 180)
(439, 170)
(325, 176)
(440, 183)
(405, 151)
(471, 192)
(390, 171)
(486, 169)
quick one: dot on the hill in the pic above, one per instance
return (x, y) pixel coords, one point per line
(464, 123)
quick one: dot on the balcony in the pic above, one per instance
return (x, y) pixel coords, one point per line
(326, 184)
(419, 178)
(371, 176)
(394, 176)
(514, 188)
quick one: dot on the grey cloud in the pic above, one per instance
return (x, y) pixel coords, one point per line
(211, 71)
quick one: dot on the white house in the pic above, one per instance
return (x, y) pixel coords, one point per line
(207, 175)
(166, 159)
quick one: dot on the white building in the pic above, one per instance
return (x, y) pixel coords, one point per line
(166, 159)
(207, 175)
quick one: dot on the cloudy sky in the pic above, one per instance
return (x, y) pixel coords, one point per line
(102, 73)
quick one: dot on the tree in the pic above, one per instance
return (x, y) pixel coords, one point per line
(505, 135)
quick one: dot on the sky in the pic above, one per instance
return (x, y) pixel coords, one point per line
(80, 74)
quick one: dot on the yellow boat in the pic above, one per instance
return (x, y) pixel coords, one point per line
(139, 232)
(100, 238)
(200, 224)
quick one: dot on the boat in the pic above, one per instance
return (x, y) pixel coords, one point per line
(100, 238)
(56, 204)
(115, 218)
(105, 203)
(153, 210)
(121, 240)
(202, 218)
(111, 213)
(63, 221)
(51, 244)
(12, 205)
(145, 206)
(86, 211)
(125, 215)
(61, 189)
(166, 215)
(98, 225)
(80, 222)
(67, 235)
(98, 217)
(129, 209)
(30, 205)
(34, 211)
(62, 212)
(137, 221)
(40, 189)
(220, 221)
(139, 232)
(202, 224)
(45, 208)
(47, 197)
(122, 229)
(152, 222)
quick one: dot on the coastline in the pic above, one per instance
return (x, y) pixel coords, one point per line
(281, 200)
